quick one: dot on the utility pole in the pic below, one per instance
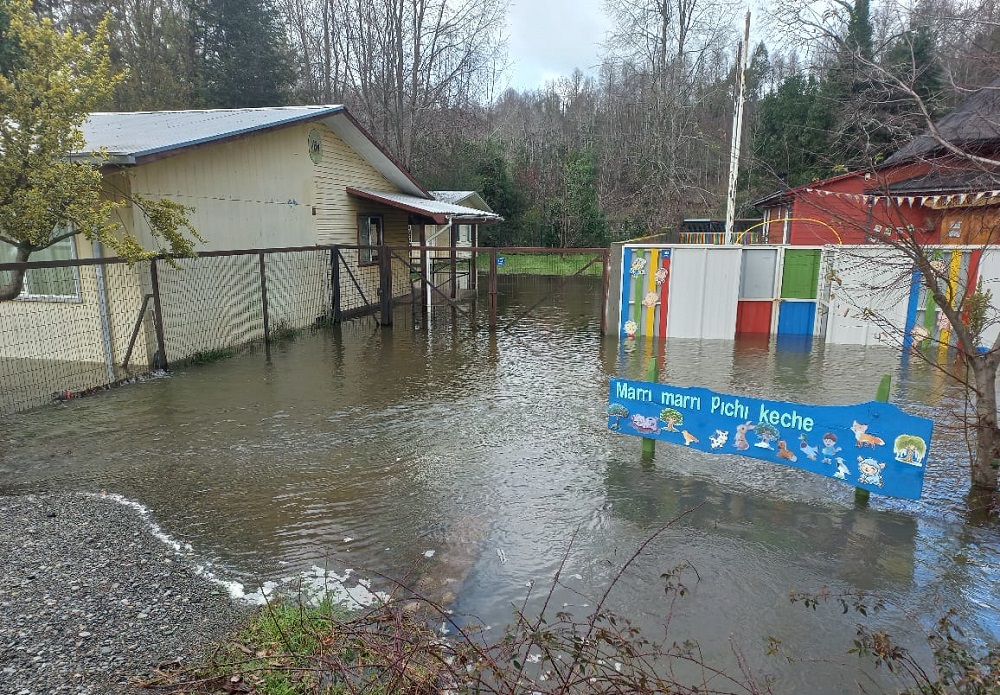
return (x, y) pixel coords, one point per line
(734, 155)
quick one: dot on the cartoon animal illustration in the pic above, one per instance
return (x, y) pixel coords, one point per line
(661, 276)
(719, 439)
(785, 453)
(740, 440)
(830, 448)
(862, 436)
(689, 438)
(842, 470)
(638, 267)
(809, 451)
(630, 328)
(650, 299)
(870, 472)
(645, 425)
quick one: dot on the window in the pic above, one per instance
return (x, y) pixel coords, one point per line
(53, 284)
(369, 234)
(465, 233)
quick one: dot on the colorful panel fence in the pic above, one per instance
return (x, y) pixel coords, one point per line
(855, 295)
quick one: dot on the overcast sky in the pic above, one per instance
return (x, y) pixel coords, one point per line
(546, 39)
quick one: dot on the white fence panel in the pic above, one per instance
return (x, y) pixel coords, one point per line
(704, 289)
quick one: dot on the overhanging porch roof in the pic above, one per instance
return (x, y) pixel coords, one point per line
(437, 210)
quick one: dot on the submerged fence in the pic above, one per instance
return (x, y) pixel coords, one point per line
(86, 324)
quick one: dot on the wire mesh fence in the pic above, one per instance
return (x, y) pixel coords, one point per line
(84, 325)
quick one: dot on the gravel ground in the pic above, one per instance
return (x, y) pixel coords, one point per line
(92, 601)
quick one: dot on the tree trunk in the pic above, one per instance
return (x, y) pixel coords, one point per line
(984, 462)
(15, 283)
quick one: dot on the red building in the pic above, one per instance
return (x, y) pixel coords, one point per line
(925, 189)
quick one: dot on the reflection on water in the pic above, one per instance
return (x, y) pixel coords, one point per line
(370, 448)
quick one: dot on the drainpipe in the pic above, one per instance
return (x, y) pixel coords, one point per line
(105, 313)
(428, 262)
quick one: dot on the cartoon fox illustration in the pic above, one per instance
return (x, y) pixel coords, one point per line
(689, 438)
(863, 438)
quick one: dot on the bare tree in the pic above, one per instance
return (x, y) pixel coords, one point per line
(403, 64)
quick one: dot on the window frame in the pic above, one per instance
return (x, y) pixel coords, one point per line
(27, 295)
(369, 256)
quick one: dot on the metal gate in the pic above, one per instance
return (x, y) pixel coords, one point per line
(452, 276)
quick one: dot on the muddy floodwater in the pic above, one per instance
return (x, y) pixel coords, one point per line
(477, 463)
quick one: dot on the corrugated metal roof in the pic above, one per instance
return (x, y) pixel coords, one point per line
(132, 138)
(453, 197)
(439, 210)
(140, 134)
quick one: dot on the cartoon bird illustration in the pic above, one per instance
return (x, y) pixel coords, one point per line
(842, 470)
(785, 453)
(689, 438)
(807, 450)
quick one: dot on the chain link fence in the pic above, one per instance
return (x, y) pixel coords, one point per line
(84, 325)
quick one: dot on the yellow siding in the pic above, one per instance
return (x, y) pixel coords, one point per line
(336, 211)
(253, 192)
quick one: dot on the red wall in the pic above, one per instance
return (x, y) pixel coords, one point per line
(814, 213)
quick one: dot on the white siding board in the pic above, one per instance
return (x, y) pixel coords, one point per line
(703, 303)
(989, 272)
(871, 279)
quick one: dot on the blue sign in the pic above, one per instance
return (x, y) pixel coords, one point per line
(872, 445)
(501, 260)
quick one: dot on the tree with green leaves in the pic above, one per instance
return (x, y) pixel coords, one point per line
(672, 417)
(241, 52)
(57, 79)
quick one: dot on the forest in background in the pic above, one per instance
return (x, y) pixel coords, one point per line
(832, 86)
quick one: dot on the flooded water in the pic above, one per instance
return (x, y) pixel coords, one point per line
(476, 464)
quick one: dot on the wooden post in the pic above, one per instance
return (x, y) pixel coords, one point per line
(161, 343)
(263, 301)
(335, 284)
(453, 256)
(606, 274)
(493, 288)
(385, 286)
(649, 445)
(861, 496)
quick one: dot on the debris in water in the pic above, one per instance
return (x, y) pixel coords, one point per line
(502, 555)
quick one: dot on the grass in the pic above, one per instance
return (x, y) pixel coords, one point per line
(210, 356)
(541, 263)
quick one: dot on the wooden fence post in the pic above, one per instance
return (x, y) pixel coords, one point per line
(493, 288)
(385, 285)
(264, 308)
(161, 343)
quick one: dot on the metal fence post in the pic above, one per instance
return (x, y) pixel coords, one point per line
(263, 301)
(161, 343)
(335, 284)
(385, 285)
